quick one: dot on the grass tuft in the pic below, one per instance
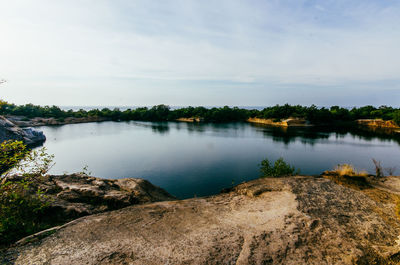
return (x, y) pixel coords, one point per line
(349, 170)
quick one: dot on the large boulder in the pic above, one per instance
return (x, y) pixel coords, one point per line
(10, 131)
(296, 220)
(76, 195)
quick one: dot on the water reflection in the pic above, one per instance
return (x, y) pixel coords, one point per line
(160, 128)
(311, 135)
(202, 159)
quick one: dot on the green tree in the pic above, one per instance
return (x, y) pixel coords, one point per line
(278, 169)
(396, 117)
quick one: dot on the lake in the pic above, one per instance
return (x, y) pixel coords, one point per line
(189, 159)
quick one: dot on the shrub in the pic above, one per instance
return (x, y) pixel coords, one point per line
(22, 203)
(349, 170)
(390, 171)
(21, 209)
(11, 153)
(278, 169)
(378, 168)
(396, 117)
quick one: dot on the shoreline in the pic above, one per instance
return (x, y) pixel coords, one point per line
(374, 126)
(23, 121)
(291, 122)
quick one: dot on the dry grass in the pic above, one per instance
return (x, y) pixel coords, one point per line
(398, 208)
(349, 170)
(348, 176)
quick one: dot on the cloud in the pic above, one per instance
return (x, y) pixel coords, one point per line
(148, 48)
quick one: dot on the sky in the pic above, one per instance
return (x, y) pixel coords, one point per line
(204, 52)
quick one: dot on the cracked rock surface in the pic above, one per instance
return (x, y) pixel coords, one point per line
(296, 220)
(76, 195)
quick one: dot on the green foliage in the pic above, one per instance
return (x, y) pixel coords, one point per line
(21, 209)
(278, 169)
(323, 115)
(162, 112)
(11, 153)
(35, 163)
(22, 203)
(396, 117)
(3, 102)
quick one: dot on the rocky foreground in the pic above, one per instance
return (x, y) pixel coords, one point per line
(296, 220)
(76, 195)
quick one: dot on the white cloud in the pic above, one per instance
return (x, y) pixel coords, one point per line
(82, 48)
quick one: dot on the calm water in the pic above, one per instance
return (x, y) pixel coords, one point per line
(196, 160)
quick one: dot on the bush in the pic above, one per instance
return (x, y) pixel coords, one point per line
(396, 117)
(348, 170)
(21, 209)
(280, 168)
(22, 203)
(378, 168)
(11, 153)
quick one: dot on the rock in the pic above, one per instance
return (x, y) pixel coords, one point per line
(191, 119)
(291, 122)
(77, 195)
(10, 131)
(377, 123)
(294, 220)
(23, 121)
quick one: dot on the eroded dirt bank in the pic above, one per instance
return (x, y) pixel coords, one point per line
(297, 220)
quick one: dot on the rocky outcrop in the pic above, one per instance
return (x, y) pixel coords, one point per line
(38, 121)
(296, 220)
(191, 119)
(379, 123)
(76, 195)
(10, 131)
(291, 122)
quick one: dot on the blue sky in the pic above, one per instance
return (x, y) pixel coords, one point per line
(183, 52)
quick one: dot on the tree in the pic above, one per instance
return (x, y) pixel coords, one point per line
(396, 117)
(280, 168)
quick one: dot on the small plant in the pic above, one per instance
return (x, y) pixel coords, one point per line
(390, 171)
(85, 171)
(349, 170)
(378, 168)
(11, 153)
(278, 169)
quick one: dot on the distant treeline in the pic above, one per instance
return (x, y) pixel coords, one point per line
(224, 114)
